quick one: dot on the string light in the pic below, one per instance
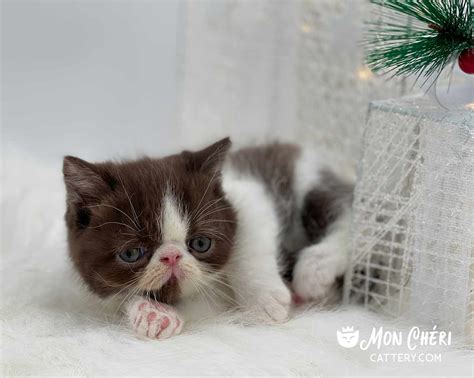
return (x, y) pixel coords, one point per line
(469, 106)
(364, 73)
(305, 28)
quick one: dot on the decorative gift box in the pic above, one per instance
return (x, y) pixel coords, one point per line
(413, 223)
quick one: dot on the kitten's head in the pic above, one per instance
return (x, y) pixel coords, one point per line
(158, 227)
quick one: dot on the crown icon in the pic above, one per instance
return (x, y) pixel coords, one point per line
(347, 329)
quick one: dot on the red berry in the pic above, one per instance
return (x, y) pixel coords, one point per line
(466, 61)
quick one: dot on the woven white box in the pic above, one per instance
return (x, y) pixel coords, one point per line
(413, 225)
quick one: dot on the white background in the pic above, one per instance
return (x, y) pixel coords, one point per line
(90, 78)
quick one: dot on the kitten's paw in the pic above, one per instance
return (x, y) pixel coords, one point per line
(314, 276)
(154, 320)
(272, 306)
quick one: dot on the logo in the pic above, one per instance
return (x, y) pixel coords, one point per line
(412, 343)
(348, 338)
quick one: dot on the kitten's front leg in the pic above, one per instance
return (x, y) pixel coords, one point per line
(259, 291)
(154, 320)
(253, 269)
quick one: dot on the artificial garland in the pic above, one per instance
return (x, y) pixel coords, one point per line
(420, 37)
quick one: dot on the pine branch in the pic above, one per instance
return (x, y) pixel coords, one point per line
(418, 37)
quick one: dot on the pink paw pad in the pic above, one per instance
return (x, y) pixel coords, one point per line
(154, 320)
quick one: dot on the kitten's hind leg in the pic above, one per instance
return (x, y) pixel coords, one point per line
(154, 320)
(318, 270)
(326, 218)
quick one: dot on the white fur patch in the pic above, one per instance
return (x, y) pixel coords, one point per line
(174, 223)
(307, 173)
(174, 228)
(252, 268)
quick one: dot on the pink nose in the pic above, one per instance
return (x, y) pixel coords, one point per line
(171, 257)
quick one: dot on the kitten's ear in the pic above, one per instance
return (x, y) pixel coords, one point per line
(210, 158)
(84, 181)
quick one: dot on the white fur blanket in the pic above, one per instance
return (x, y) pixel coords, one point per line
(51, 326)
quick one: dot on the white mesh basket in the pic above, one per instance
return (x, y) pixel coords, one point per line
(413, 226)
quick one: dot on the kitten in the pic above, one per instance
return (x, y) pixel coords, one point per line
(263, 221)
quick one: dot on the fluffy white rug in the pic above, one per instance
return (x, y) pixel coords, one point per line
(51, 326)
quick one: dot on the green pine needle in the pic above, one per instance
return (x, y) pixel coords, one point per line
(418, 37)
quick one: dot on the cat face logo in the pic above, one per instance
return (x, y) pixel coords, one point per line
(348, 338)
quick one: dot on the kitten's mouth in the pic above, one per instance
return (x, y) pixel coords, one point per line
(173, 276)
(167, 293)
(167, 287)
(173, 280)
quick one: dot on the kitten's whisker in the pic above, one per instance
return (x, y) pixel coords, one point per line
(207, 205)
(214, 274)
(119, 223)
(215, 278)
(121, 247)
(211, 206)
(218, 292)
(127, 284)
(128, 296)
(130, 234)
(216, 234)
(223, 238)
(121, 211)
(208, 209)
(205, 209)
(202, 293)
(120, 307)
(135, 216)
(211, 296)
(109, 284)
(205, 192)
(206, 295)
(147, 291)
(205, 216)
(217, 220)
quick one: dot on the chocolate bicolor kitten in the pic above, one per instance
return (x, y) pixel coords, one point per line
(263, 222)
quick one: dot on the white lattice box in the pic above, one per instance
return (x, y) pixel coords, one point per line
(413, 226)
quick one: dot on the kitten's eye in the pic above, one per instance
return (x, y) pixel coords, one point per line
(133, 254)
(200, 244)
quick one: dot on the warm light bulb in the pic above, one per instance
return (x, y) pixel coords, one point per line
(469, 106)
(305, 28)
(364, 73)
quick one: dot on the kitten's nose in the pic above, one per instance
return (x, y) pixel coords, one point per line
(171, 257)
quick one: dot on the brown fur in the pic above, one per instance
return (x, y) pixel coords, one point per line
(114, 206)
